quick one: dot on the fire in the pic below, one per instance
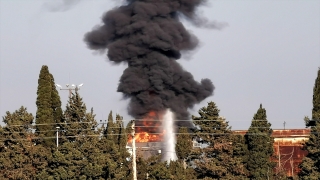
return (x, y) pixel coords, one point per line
(146, 137)
(149, 128)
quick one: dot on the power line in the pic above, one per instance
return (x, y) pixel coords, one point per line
(66, 130)
(137, 120)
(102, 135)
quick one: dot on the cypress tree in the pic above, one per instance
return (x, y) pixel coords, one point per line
(56, 103)
(111, 128)
(48, 108)
(44, 113)
(121, 131)
(260, 146)
(310, 166)
(316, 98)
(217, 160)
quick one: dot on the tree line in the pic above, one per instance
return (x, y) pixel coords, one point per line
(87, 149)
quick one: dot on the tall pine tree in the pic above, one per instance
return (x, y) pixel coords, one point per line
(310, 166)
(260, 146)
(48, 108)
(217, 160)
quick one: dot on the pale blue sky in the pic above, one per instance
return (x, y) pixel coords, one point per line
(269, 54)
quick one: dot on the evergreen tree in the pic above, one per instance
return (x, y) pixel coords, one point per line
(142, 168)
(155, 170)
(88, 145)
(310, 166)
(217, 160)
(75, 123)
(240, 151)
(184, 145)
(316, 99)
(79, 155)
(260, 146)
(122, 137)
(113, 144)
(19, 158)
(179, 172)
(48, 108)
(56, 103)
(110, 130)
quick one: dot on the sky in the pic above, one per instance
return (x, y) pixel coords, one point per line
(268, 53)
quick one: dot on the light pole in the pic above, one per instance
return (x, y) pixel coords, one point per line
(58, 135)
(71, 88)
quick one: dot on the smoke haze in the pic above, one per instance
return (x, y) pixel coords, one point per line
(148, 35)
(60, 5)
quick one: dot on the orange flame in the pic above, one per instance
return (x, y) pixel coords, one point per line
(148, 129)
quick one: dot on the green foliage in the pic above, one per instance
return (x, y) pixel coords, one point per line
(240, 153)
(316, 98)
(260, 146)
(67, 162)
(76, 121)
(113, 144)
(179, 172)
(184, 145)
(310, 166)
(80, 155)
(19, 157)
(218, 160)
(142, 168)
(154, 169)
(48, 108)
(110, 130)
(56, 103)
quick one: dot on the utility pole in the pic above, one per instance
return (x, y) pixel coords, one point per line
(134, 165)
(279, 156)
(57, 136)
(70, 89)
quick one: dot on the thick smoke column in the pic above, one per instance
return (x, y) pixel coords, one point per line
(148, 35)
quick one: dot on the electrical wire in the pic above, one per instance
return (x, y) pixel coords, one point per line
(137, 120)
(101, 135)
(136, 127)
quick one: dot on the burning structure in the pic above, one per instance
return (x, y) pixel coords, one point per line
(148, 36)
(152, 140)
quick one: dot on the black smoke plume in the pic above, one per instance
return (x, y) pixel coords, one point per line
(148, 35)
